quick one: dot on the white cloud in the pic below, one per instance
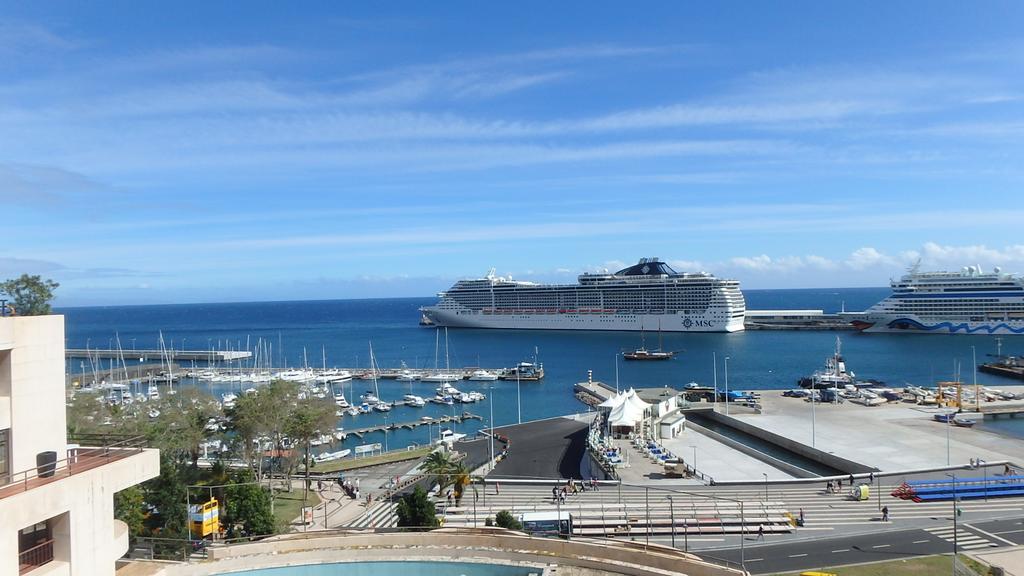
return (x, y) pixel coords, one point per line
(867, 257)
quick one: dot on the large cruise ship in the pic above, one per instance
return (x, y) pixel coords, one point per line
(966, 302)
(649, 295)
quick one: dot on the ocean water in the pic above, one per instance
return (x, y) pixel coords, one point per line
(341, 330)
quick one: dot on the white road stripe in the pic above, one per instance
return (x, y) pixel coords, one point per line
(797, 555)
(921, 541)
(882, 546)
(990, 535)
(843, 550)
(754, 559)
(977, 546)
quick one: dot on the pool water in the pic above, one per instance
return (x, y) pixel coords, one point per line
(394, 569)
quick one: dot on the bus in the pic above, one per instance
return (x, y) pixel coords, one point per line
(550, 524)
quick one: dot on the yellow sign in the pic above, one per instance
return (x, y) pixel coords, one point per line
(204, 519)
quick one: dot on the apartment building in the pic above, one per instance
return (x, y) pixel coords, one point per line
(56, 498)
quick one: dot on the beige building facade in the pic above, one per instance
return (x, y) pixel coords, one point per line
(56, 498)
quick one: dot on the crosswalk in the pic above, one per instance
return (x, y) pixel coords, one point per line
(378, 515)
(965, 539)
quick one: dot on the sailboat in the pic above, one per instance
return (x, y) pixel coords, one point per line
(380, 405)
(447, 375)
(642, 353)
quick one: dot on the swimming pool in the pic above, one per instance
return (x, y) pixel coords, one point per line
(389, 568)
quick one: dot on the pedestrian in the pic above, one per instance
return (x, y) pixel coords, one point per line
(760, 531)
(839, 485)
(357, 482)
(554, 493)
(497, 488)
(851, 480)
(449, 498)
(885, 513)
(800, 522)
(357, 495)
(871, 477)
(319, 485)
(828, 487)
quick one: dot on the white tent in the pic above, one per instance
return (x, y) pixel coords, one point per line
(613, 402)
(629, 413)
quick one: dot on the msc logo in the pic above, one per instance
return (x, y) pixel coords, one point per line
(687, 323)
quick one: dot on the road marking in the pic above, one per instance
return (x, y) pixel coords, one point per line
(754, 559)
(797, 555)
(843, 550)
(921, 541)
(976, 546)
(882, 546)
(1008, 532)
(990, 535)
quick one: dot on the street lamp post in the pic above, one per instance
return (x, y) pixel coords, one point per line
(714, 362)
(953, 476)
(672, 517)
(519, 402)
(726, 385)
(490, 432)
(974, 365)
(694, 460)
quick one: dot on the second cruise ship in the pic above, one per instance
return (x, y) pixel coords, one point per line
(649, 295)
(966, 302)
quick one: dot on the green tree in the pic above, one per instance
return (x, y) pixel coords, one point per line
(129, 507)
(309, 419)
(505, 519)
(439, 464)
(416, 510)
(167, 493)
(248, 504)
(180, 429)
(30, 295)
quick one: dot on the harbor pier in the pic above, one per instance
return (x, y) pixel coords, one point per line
(210, 356)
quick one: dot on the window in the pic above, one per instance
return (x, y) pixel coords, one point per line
(5, 456)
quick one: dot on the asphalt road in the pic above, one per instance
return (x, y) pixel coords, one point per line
(545, 449)
(811, 554)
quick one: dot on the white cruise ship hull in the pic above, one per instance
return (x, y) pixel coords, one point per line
(903, 324)
(708, 322)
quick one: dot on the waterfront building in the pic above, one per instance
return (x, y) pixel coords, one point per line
(56, 498)
(649, 295)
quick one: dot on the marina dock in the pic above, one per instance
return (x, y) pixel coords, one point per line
(210, 356)
(1010, 368)
(458, 418)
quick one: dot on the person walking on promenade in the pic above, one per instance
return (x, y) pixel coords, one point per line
(885, 513)
(760, 531)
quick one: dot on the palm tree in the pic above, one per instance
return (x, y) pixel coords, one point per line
(439, 464)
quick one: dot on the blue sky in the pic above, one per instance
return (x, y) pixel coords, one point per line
(221, 151)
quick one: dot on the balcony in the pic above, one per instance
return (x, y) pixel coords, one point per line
(104, 449)
(35, 556)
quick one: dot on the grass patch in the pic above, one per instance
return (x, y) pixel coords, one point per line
(288, 505)
(353, 463)
(922, 566)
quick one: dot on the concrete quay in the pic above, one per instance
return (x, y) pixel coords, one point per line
(889, 437)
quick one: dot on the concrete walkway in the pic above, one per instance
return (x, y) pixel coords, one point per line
(897, 436)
